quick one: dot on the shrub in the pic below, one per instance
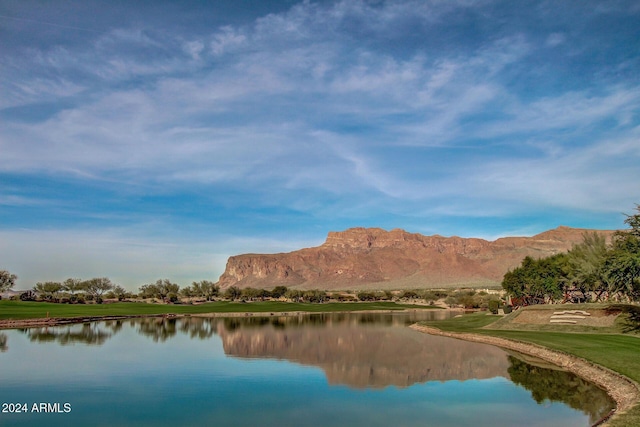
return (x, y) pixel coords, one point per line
(342, 297)
(366, 296)
(315, 295)
(409, 295)
(494, 305)
(466, 300)
(28, 296)
(441, 294)
(430, 296)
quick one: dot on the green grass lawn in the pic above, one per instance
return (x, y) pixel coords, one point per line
(30, 310)
(616, 351)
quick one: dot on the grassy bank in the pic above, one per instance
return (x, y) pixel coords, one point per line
(32, 310)
(616, 351)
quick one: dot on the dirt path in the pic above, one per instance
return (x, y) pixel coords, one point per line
(625, 392)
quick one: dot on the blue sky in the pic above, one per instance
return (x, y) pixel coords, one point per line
(152, 139)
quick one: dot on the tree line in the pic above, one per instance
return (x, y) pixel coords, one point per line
(591, 271)
(78, 291)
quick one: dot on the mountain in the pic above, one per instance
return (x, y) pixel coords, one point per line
(373, 258)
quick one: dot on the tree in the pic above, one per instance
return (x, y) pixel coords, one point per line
(188, 292)
(294, 295)
(586, 266)
(314, 295)
(48, 290)
(633, 221)
(233, 293)
(366, 296)
(97, 286)
(408, 294)
(120, 292)
(250, 293)
(205, 289)
(161, 289)
(166, 287)
(278, 292)
(622, 264)
(451, 301)
(537, 281)
(7, 280)
(73, 285)
(147, 291)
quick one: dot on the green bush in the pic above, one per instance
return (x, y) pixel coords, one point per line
(366, 296)
(494, 305)
(408, 295)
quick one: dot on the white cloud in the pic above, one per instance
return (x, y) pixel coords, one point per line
(226, 40)
(304, 101)
(600, 178)
(575, 110)
(194, 48)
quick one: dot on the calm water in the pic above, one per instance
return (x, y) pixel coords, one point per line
(317, 370)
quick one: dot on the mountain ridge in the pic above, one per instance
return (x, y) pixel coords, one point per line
(373, 258)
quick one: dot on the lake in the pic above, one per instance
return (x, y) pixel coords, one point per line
(310, 370)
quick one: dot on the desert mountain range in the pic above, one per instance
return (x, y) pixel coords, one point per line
(373, 258)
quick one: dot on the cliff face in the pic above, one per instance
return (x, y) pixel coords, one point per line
(372, 258)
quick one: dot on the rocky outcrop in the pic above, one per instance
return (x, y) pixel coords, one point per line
(372, 258)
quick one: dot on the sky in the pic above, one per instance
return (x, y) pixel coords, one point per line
(154, 139)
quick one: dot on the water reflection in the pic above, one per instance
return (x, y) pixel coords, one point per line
(555, 385)
(86, 333)
(3, 343)
(370, 351)
(362, 351)
(156, 328)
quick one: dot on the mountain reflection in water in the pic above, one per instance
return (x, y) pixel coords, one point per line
(362, 353)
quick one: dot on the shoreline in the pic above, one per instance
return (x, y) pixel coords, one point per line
(60, 321)
(624, 391)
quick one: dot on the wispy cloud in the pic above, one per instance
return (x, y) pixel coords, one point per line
(343, 113)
